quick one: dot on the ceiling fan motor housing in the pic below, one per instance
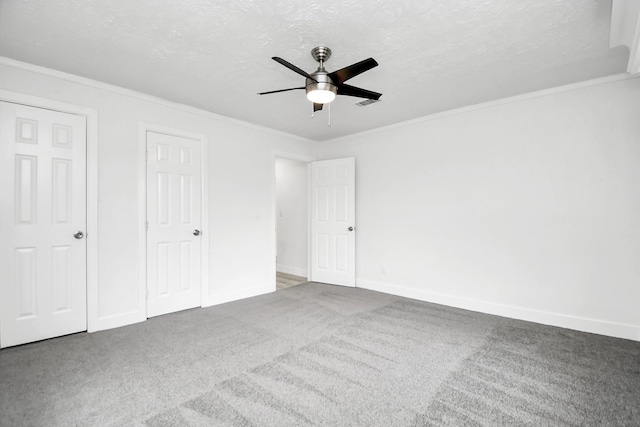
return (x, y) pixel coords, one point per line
(322, 91)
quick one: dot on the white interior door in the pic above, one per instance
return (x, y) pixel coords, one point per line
(43, 259)
(333, 243)
(174, 203)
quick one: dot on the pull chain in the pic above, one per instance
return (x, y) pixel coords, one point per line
(313, 114)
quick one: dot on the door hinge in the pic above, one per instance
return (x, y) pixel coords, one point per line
(146, 225)
(146, 156)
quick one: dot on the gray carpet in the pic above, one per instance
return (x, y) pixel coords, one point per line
(323, 355)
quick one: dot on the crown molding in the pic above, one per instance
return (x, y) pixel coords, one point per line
(489, 104)
(72, 78)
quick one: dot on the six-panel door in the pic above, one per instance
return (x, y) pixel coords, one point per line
(174, 183)
(333, 221)
(42, 222)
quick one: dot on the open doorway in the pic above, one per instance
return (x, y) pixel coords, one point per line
(291, 222)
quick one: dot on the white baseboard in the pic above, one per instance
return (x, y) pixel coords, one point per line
(234, 295)
(584, 324)
(296, 271)
(129, 318)
(116, 321)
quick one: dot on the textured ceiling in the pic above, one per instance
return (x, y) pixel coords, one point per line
(216, 54)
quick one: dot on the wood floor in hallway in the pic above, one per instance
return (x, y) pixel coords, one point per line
(285, 280)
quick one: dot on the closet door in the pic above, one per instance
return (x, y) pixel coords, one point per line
(174, 221)
(43, 261)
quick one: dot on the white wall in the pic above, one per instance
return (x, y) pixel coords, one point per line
(241, 193)
(291, 211)
(528, 208)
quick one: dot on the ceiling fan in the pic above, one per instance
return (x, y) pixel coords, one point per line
(322, 87)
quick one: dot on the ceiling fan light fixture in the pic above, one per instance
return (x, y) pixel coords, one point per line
(321, 93)
(322, 87)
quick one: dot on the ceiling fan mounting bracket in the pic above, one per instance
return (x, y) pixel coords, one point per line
(321, 53)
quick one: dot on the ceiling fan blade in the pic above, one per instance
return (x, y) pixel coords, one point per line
(280, 90)
(293, 68)
(358, 92)
(346, 73)
(317, 107)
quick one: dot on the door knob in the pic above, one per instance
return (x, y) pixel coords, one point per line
(350, 229)
(78, 235)
(196, 232)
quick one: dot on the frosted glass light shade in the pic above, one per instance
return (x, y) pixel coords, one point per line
(321, 96)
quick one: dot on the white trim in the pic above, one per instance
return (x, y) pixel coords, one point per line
(309, 217)
(206, 230)
(166, 103)
(625, 30)
(584, 324)
(142, 221)
(117, 320)
(4, 61)
(490, 104)
(305, 158)
(143, 128)
(230, 296)
(93, 290)
(143, 97)
(91, 117)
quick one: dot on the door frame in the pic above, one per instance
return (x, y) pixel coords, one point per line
(91, 118)
(143, 128)
(279, 154)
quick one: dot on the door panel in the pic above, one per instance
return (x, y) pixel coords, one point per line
(42, 265)
(332, 216)
(174, 180)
